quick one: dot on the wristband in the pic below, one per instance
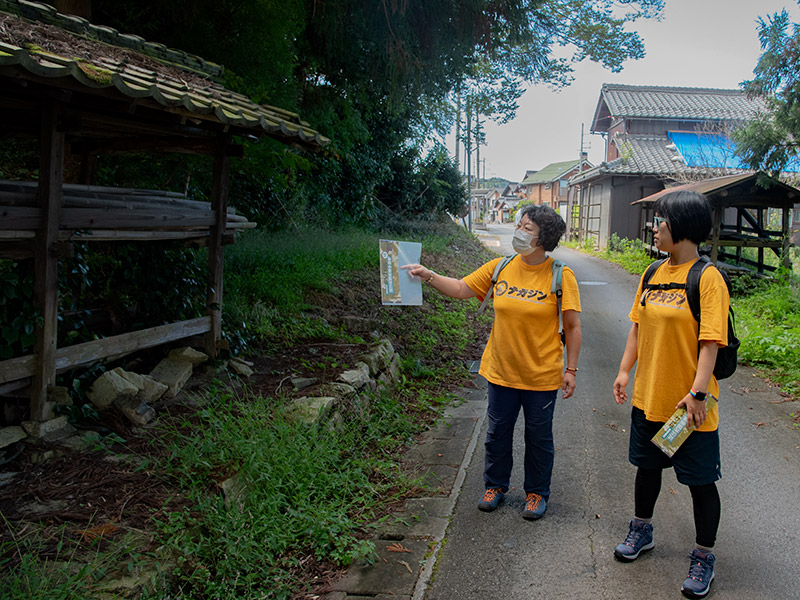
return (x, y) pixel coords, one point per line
(428, 280)
(573, 370)
(698, 395)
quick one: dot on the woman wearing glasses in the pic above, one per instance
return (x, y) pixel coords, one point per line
(523, 359)
(675, 358)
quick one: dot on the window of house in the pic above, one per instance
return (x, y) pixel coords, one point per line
(563, 184)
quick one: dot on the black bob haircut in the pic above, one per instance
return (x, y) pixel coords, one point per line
(688, 215)
(551, 225)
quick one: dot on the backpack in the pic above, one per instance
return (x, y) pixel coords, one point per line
(726, 362)
(555, 286)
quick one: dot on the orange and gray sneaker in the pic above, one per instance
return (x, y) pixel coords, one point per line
(492, 498)
(535, 506)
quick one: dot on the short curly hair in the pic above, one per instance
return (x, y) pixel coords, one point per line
(551, 225)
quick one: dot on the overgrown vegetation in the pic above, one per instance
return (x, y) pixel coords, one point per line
(767, 312)
(304, 491)
(309, 495)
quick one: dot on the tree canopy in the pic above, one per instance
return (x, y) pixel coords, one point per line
(770, 141)
(378, 76)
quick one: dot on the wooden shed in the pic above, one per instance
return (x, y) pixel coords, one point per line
(91, 90)
(741, 205)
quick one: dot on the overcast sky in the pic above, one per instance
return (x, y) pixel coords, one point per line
(698, 43)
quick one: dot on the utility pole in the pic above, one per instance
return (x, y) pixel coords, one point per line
(468, 153)
(458, 123)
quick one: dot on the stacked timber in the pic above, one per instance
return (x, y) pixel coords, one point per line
(92, 213)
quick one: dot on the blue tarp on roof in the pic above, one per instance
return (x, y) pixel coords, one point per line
(712, 150)
(706, 150)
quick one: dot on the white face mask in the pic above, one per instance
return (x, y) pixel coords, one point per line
(521, 242)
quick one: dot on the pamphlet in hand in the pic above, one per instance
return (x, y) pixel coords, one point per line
(675, 431)
(397, 286)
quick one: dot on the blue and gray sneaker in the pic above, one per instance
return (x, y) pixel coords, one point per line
(640, 539)
(701, 574)
(535, 507)
(492, 498)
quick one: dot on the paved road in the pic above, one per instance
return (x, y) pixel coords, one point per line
(568, 554)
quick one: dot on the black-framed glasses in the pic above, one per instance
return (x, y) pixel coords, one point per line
(657, 221)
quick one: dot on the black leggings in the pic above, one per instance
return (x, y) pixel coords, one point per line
(705, 501)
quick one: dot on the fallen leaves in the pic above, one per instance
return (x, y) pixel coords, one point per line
(92, 533)
(397, 547)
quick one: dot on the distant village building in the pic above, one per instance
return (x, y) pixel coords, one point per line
(655, 136)
(674, 137)
(551, 184)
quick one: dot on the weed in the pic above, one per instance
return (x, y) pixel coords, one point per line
(305, 491)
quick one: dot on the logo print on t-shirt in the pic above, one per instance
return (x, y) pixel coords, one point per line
(670, 298)
(502, 288)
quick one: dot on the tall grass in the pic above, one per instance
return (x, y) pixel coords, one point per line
(268, 275)
(768, 323)
(306, 489)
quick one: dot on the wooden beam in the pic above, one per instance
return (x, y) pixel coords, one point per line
(51, 180)
(715, 233)
(182, 145)
(88, 353)
(216, 254)
(786, 238)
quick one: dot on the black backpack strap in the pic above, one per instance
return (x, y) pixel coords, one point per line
(555, 288)
(495, 274)
(648, 275)
(693, 285)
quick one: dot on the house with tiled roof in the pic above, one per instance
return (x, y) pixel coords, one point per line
(550, 184)
(654, 136)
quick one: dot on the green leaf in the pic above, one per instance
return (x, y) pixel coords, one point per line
(10, 335)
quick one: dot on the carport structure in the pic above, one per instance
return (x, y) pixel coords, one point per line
(89, 90)
(741, 205)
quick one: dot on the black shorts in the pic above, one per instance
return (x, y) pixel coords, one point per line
(696, 462)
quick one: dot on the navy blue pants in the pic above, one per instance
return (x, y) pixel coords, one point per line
(537, 408)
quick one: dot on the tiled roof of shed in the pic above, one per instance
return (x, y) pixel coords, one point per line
(676, 103)
(155, 75)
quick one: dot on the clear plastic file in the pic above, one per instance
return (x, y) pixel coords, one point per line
(675, 431)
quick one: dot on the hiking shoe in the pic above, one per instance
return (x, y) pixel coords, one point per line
(640, 539)
(701, 574)
(535, 506)
(492, 498)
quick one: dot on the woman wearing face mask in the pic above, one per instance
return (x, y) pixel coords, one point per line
(524, 359)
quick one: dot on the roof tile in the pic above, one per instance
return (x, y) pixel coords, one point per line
(159, 81)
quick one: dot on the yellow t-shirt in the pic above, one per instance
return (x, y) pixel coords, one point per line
(524, 349)
(668, 340)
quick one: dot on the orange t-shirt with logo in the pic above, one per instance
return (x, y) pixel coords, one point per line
(668, 340)
(524, 350)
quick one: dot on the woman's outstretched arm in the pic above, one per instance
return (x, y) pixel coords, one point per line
(449, 286)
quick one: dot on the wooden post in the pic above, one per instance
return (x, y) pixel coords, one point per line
(787, 262)
(219, 204)
(49, 191)
(718, 212)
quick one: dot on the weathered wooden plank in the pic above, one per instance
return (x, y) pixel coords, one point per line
(89, 353)
(20, 217)
(17, 368)
(51, 180)
(155, 218)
